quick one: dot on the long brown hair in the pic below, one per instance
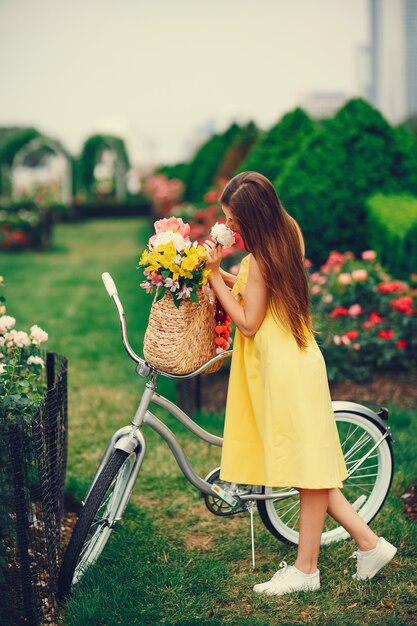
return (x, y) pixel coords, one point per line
(274, 239)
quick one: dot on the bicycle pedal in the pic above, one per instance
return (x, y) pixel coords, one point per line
(224, 495)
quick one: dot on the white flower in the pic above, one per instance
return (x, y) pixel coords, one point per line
(171, 284)
(222, 235)
(35, 360)
(169, 235)
(183, 293)
(17, 338)
(6, 322)
(2, 369)
(38, 335)
(147, 285)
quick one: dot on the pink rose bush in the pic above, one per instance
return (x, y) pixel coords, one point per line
(21, 365)
(366, 321)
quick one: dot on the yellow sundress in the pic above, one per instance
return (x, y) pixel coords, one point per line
(280, 429)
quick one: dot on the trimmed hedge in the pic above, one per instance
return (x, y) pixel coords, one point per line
(346, 160)
(273, 150)
(393, 231)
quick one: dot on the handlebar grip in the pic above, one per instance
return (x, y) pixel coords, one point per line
(109, 284)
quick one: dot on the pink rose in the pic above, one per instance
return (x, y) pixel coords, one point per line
(359, 275)
(315, 289)
(336, 340)
(344, 278)
(356, 346)
(368, 255)
(172, 223)
(355, 310)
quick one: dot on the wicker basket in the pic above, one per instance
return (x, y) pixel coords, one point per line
(180, 340)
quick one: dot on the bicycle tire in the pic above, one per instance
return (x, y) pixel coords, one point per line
(277, 526)
(79, 538)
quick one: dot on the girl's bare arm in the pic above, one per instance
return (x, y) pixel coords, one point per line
(248, 317)
(228, 278)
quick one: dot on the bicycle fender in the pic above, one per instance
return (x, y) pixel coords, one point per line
(128, 443)
(340, 406)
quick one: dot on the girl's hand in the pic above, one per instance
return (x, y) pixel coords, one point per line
(214, 256)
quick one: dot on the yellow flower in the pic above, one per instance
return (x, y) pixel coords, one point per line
(205, 276)
(144, 258)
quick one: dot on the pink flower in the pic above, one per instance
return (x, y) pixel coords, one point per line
(368, 255)
(307, 263)
(355, 310)
(359, 275)
(352, 334)
(315, 289)
(345, 340)
(336, 340)
(344, 278)
(316, 277)
(356, 346)
(328, 298)
(172, 223)
(156, 279)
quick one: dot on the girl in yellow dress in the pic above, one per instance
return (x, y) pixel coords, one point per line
(280, 429)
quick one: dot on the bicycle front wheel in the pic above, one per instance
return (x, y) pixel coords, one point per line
(369, 461)
(96, 520)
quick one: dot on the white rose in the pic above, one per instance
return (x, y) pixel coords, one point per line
(6, 322)
(38, 335)
(35, 360)
(169, 235)
(222, 235)
(19, 338)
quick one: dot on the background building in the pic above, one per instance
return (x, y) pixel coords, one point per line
(392, 85)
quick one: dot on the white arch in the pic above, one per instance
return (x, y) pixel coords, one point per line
(54, 146)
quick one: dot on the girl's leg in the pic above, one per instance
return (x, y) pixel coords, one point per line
(344, 513)
(314, 504)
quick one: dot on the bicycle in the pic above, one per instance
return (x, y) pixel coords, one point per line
(366, 443)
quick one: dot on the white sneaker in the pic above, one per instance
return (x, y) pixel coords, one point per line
(288, 579)
(371, 561)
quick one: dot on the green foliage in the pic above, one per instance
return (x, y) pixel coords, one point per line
(237, 152)
(393, 231)
(326, 184)
(279, 144)
(178, 170)
(25, 225)
(203, 167)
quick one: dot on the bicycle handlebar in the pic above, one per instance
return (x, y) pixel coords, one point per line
(112, 291)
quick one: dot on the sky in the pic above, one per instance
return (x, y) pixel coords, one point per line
(163, 73)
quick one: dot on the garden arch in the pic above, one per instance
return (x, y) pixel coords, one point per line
(93, 150)
(43, 152)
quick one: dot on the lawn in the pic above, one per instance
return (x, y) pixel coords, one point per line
(171, 561)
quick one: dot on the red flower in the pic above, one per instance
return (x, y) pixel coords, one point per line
(391, 287)
(401, 343)
(338, 311)
(386, 334)
(375, 318)
(402, 305)
(352, 334)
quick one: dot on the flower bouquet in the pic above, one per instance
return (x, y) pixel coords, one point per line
(183, 331)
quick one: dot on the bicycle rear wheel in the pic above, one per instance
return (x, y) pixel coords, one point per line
(366, 487)
(96, 521)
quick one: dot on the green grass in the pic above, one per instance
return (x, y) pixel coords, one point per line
(171, 561)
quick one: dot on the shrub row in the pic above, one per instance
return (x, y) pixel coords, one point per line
(392, 224)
